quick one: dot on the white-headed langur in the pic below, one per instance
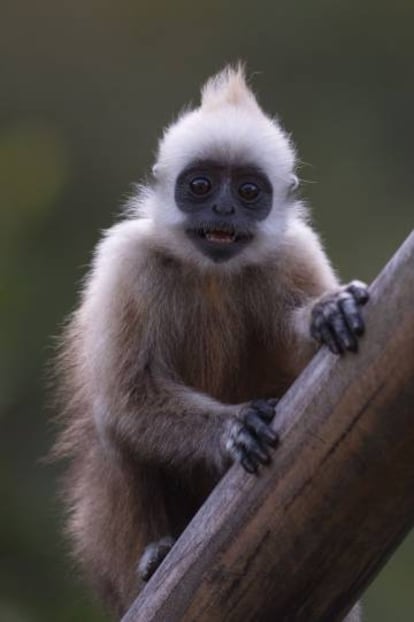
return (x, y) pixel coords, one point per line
(201, 307)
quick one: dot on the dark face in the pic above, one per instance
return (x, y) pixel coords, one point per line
(223, 206)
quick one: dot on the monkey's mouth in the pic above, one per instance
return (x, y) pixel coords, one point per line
(220, 234)
(220, 241)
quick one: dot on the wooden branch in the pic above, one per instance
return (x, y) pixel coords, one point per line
(301, 541)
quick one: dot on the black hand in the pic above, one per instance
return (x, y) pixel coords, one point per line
(336, 320)
(250, 435)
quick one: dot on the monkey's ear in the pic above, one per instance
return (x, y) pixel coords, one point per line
(155, 170)
(293, 183)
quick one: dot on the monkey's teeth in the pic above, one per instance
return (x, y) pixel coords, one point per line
(223, 237)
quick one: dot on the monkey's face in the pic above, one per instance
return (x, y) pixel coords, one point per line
(223, 206)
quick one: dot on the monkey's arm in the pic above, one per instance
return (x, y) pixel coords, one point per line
(328, 312)
(163, 422)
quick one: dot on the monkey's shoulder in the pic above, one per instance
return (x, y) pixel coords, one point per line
(303, 264)
(123, 246)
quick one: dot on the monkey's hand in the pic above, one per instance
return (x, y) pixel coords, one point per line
(336, 319)
(249, 436)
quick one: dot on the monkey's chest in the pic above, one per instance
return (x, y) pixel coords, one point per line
(232, 357)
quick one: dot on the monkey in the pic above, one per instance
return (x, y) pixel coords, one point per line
(201, 307)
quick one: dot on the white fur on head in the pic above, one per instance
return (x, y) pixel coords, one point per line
(228, 127)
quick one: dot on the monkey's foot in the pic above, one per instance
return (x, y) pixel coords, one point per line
(250, 435)
(152, 557)
(336, 319)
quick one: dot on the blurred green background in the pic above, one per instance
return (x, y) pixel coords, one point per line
(85, 89)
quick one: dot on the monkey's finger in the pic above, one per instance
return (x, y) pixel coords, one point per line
(321, 314)
(359, 291)
(353, 315)
(253, 446)
(328, 338)
(316, 332)
(273, 401)
(146, 573)
(343, 335)
(246, 459)
(247, 463)
(254, 423)
(316, 325)
(320, 330)
(261, 454)
(266, 408)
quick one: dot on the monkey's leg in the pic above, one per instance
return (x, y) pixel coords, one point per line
(153, 555)
(117, 512)
(183, 493)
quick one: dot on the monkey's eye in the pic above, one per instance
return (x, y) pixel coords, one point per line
(200, 186)
(249, 191)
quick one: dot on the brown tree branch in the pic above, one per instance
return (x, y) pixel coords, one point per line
(301, 541)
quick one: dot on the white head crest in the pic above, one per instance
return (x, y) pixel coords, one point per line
(228, 126)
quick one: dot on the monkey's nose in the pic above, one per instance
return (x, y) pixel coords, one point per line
(224, 209)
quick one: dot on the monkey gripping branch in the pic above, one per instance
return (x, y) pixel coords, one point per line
(302, 540)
